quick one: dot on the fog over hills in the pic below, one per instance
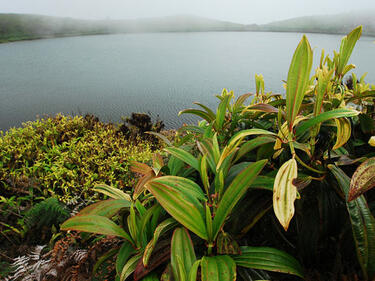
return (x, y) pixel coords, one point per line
(339, 24)
(15, 27)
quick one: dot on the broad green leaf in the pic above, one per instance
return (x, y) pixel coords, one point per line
(336, 113)
(182, 249)
(204, 174)
(123, 255)
(252, 144)
(112, 192)
(218, 268)
(346, 48)
(285, 193)
(159, 231)
(184, 156)
(106, 208)
(363, 225)
(182, 184)
(181, 205)
(175, 165)
(363, 179)
(220, 114)
(344, 130)
(270, 259)
(130, 267)
(234, 192)
(95, 224)
(197, 112)
(298, 79)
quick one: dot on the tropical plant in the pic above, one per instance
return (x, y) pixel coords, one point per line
(219, 180)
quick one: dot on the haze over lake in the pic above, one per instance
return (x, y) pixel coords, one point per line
(161, 73)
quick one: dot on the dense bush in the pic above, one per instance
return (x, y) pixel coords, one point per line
(65, 157)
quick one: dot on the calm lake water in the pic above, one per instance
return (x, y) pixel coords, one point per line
(161, 73)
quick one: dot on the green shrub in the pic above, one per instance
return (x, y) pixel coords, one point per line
(65, 157)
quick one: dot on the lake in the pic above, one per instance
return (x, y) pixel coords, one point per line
(161, 73)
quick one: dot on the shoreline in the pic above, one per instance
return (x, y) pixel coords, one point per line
(36, 37)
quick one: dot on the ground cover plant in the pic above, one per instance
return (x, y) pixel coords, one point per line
(278, 188)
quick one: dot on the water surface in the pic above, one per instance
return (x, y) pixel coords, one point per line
(161, 73)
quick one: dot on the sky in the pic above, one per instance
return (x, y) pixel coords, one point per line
(240, 11)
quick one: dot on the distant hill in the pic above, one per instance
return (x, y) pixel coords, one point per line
(14, 27)
(334, 24)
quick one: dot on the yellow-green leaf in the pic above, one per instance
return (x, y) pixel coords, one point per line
(298, 79)
(285, 192)
(344, 130)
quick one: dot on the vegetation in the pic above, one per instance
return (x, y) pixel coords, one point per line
(201, 209)
(198, 211)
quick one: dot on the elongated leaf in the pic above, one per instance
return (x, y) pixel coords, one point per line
(194, 270)
(263, 107)
(234, 193)
(344, 130)
(363, 225)
(285, 193)
(197, 112)
(268, 259)
(182, 249)
(181, 205)
(140, 168)
(123, 255)
(336, 113)
(160, 136)
(298, 79)
(159, 231)
(363, 179)
(95, 224)
(130, 267)
(106, 208)
(184, 156)
(218, 268)
(235, 141)
(208, 110)
(112, 192)
(346, 48)
(241, 99)
(321, 88)
(220, 114)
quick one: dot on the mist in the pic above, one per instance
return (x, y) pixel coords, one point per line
(239, 11)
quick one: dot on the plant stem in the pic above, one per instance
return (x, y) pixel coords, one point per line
(307, 166)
